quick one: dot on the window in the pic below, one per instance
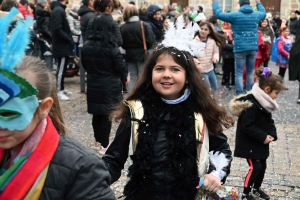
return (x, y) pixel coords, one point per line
(226, 5)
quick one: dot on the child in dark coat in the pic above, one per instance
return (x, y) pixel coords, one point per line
(256, 128)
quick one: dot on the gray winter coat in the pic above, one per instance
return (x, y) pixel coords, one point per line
(74, 25)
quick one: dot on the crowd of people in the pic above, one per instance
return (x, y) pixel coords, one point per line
(165, 58)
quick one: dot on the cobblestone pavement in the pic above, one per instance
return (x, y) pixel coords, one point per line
(282, 179)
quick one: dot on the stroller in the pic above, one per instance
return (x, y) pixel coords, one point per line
(73, 62)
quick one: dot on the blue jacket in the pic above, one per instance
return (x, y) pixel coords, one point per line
(244, 25)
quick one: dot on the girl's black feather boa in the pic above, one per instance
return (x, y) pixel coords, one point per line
(180, 168)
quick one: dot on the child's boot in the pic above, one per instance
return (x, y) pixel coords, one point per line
(247, 197)
(261, 194)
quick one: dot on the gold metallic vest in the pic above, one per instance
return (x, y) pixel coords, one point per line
(137, 112)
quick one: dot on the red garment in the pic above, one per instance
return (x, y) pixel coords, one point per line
(35, 164)
(22, 10)
(281, 48)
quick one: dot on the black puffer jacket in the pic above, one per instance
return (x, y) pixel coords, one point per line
(72, 167)
(104, 65)
(86, 14)
(254, 124)
(43, 27)
(62, 41)
(133, 42)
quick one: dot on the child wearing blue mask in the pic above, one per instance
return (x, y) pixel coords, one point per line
(33, 141)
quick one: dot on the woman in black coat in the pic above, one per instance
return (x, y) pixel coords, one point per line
(133, 43)
(294, 65)
(43, 29)
(104, 65)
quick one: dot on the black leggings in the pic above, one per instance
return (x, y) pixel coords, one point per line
(282, 72)
(255, 175)
(102, 126)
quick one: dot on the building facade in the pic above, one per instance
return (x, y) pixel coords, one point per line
(282, 6)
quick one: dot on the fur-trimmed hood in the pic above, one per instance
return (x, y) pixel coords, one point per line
(238, 104)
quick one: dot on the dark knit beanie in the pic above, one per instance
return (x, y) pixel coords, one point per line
(244, 1)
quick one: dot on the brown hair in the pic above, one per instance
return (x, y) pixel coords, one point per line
(213, 114)
(218, 38)
(129, 11)
(283, 29)
(274, 81)
(45, 84)
(101, 5)
(117, 4)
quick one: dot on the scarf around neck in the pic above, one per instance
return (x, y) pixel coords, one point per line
(264, 99)
(185, 95)
(133, 19)
(26, 170)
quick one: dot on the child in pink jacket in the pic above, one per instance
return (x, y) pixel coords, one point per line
(207, 35)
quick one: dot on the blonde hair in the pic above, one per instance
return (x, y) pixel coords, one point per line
(130, 11)
(45, 84)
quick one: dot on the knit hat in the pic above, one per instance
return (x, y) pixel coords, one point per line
(244, 1)
(276, 13)
(42, 1)
(152, 9)
(200, 17)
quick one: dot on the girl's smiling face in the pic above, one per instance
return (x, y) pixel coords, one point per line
(264, 23)
(286, 33)
(168, 77)
(204, 31)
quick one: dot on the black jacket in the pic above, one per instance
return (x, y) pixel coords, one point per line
(115, 26)
(158, 178)
(43, 27)
(76, 173)
(254, 124)
(62, 41)
(133, 42)
(293, 24)
(227, 50)
(294, 62)
(157, 28)
(104, 65)
(86, 14)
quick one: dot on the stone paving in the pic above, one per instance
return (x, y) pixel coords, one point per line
(282, 180)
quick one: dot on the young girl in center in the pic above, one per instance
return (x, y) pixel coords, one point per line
(256, 129)
(172, 130)
(207, 35)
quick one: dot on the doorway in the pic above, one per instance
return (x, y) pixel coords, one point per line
(182, 3)
(271, 5)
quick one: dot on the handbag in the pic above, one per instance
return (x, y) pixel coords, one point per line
(144, 40)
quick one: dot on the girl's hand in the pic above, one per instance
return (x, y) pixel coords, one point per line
(214, 60)
(211, 183)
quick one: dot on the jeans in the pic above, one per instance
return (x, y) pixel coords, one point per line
(241, 59)
(135, 69)
(211, 79)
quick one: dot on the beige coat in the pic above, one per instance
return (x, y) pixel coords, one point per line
(211, 51)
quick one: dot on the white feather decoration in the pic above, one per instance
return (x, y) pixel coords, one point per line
(181, 37)
(220, 161)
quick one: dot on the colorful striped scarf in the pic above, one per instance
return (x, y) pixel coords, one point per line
(25, 171)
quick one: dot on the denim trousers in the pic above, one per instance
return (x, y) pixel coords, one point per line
(242, 59)
(211, 79)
